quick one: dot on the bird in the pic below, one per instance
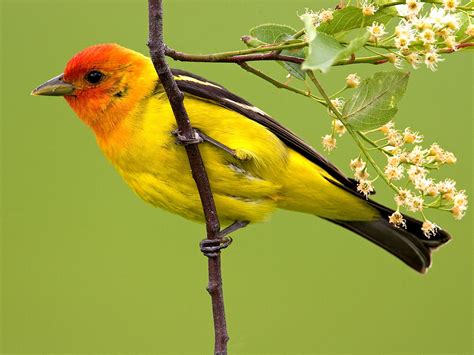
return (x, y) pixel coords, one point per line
(255, 164)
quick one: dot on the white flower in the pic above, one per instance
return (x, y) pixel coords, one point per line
(404, 28)
(415, 204)
(338, 103)
(402, 42)
(314, 16)
(410, 8)
(412, 137)
(449, 158)
(444, 33)
(394, 172)
(417, 155)
(394, 137)
(447, 189)
(365, 187)
(428, 36)
(450, 42)
(421, 23)
(395, 60)
(470, 30)
(459, 205)
(396, 218)
(368, 8)
(458, 212)
(394, 160)
(377, 30)
(325, 15)
(424, 184)
(413, 7)
(432, 59)
(450, 5)
(403, 197)
(338, 127)
(352, 81)
(460, 199)
(357, 164)
(432, 190)
(385, 129)
(429, 229)
(437, 152)
(329, 142)
(436, 17)
(414, 59)
(447, 186)
(451, 21)
(416, 172)
(361, 175)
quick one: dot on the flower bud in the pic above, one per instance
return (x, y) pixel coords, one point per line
(352, 81)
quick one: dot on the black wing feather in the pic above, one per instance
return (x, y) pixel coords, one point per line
(223, 97)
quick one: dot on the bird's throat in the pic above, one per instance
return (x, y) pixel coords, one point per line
(103, 116)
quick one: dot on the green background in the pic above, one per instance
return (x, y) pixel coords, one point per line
(87, 267)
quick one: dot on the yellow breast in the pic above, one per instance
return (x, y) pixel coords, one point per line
(145, 153)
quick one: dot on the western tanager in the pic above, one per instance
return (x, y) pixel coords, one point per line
(116, 92)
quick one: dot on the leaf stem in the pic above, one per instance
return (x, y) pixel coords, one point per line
(279, 84)
(339, 92)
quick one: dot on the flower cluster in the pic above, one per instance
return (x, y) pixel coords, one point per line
(407, 160)
(364, 184)
(322, 16)
(421, 35)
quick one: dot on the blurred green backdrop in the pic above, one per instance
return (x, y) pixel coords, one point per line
(87, 267)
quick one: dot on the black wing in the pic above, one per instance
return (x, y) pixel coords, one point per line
(200, 87)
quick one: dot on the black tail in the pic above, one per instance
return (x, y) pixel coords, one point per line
(409, 245)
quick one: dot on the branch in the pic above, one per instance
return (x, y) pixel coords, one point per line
(252, 55)
(176, 98)
(239, 58)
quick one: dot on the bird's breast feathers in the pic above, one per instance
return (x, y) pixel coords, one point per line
(146, 154)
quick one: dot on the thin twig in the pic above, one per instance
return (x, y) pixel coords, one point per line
(186, 57)
(279, 84)
(176, 98)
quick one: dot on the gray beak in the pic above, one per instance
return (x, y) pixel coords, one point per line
(54, 87)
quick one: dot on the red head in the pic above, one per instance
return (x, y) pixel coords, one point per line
(105, 82)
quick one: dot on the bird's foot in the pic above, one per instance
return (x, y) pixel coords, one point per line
(200, 137)
(212, 247)
(183, 140)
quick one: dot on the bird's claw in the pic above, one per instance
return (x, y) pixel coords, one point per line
(212, 247)
(183, 140)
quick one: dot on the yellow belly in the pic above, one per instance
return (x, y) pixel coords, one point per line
(157, 169)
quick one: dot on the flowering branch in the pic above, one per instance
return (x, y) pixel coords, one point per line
(416, 38)
(187, 134)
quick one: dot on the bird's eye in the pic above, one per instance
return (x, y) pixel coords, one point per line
(94, 76)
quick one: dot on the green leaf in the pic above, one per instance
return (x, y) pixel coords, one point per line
(324, 51)
(374, 102)
(271, 33)
(294, 68)
(351, 17)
